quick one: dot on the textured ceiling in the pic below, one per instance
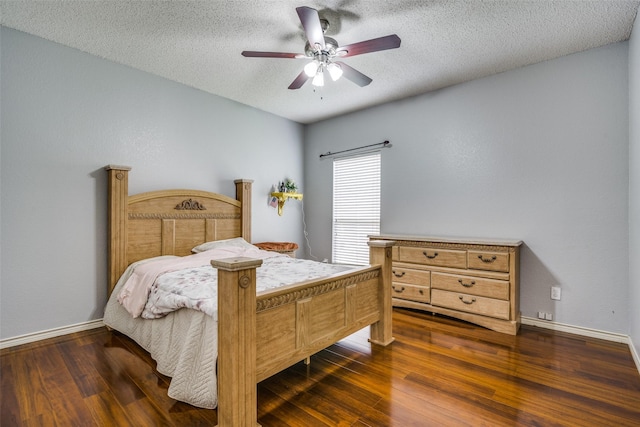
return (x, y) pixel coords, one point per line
(198, 43)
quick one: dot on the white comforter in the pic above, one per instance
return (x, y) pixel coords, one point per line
(135, 292)
(197, 288)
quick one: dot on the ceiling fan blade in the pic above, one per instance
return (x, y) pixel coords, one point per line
(311, 24)
(299, 81)
(354, 75)
(254, 54)
(373, 45)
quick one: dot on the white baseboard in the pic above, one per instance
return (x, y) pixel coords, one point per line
(578, 330)
(50, 333)
(587, 332)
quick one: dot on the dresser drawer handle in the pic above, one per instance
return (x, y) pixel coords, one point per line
(467, 302)
(467, 285)
(487, 260)
(435, 254)
(398, 275)
(398, 291)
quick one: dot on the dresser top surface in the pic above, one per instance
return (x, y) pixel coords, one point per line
(441, 239)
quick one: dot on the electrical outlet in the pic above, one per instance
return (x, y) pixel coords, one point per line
(545, 316)
(556, 293)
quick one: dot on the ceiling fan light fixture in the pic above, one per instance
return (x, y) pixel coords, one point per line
(311, 69)
(321, 50)
(318, 79)
(335, 71)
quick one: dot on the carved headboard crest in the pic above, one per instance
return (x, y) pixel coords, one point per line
(190, 205)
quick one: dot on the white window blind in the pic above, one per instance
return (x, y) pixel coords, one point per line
(356, 206)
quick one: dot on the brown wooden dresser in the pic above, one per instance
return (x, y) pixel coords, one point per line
(469, 279)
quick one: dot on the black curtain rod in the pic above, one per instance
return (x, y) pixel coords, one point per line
(329, 153)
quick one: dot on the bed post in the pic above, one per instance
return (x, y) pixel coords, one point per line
(243, 195)
(237, 388)
(380, 254)
(118, 194)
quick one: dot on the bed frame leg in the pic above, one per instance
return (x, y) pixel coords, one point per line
(237, 390)
(380, 254)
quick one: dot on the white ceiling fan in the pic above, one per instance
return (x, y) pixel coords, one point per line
(324, 50)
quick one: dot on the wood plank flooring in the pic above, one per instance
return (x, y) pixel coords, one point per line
(438, 372)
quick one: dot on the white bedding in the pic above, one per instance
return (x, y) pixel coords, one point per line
(197, 287)
(184, 342)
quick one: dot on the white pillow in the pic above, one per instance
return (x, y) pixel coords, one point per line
(237, 242)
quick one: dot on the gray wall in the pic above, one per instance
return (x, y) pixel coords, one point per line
(634, 188)
(538, 154)
(65, 115)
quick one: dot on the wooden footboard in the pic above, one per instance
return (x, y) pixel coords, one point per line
(259, 335)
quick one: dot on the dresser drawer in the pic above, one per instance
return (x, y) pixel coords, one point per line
(411, 276)
(492, 261)
(471, 285)
(433, 256)
(470, 303)
(411, 292)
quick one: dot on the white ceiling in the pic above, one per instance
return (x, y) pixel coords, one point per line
(444, 42)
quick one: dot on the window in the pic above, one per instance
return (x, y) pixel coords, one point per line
(356, 207)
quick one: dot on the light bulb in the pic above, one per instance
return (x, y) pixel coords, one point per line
(318, 80)
(335, 71)
(311, 69)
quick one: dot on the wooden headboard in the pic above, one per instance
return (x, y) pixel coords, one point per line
(169, 222)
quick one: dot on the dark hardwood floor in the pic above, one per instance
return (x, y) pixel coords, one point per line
(438, 372)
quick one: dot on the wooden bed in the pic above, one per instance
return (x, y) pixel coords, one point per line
(258, 335)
